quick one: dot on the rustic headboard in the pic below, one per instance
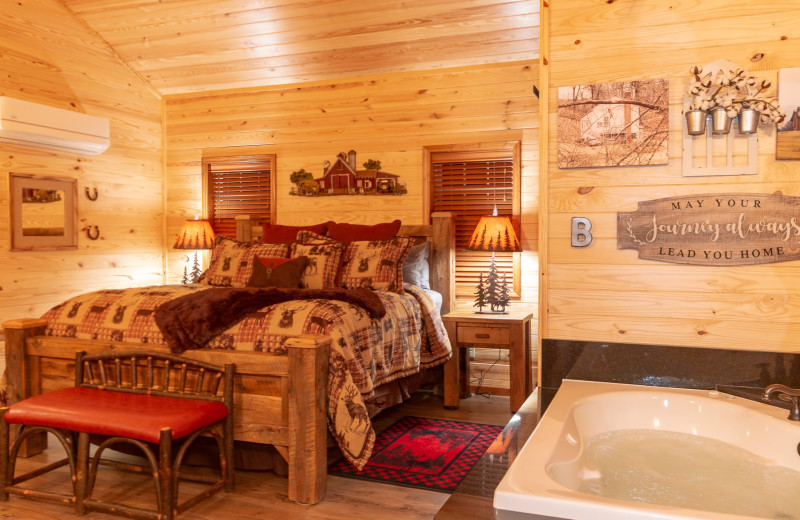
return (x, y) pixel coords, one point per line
(440, 233)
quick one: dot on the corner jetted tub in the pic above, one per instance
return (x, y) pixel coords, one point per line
(607, 451)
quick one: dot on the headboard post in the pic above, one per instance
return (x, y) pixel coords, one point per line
(443, 258)
(244, 228)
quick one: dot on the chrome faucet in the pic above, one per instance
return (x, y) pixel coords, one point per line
(784, 393)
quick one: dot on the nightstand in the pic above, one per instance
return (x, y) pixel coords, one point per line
(510, 331)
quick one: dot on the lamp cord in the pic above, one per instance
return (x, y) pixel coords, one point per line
(479, 379)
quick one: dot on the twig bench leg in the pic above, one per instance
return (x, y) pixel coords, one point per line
(9, 483)
(4, 450)
(166, 477)
(82, 471)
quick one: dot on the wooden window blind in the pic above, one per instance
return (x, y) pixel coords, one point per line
(238, 185)
(470, 184)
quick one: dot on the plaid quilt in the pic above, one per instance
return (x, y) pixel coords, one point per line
(365, 353)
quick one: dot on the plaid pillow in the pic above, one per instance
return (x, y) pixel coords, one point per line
(232, 261)
(322, 264)
(306, 236)
(375, 264)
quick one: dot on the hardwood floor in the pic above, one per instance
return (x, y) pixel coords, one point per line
(262, 495)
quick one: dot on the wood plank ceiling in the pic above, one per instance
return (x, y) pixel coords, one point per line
(183, 46)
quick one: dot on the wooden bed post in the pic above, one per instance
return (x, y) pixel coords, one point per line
(20, 381)
(244, 228)
(308, 417)
(443, 258)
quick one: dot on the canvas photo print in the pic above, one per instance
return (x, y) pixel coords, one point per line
(788, 135)
(613, 124)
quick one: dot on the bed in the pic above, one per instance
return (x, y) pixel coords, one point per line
(286, 392)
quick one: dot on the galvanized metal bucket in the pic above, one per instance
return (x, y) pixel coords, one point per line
(720, 122)
(696, 122)
(748, 121)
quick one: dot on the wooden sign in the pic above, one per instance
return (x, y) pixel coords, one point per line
(714, 229)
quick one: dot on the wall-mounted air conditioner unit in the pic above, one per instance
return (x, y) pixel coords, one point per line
(30, 124)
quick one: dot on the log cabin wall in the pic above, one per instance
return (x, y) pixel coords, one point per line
(47, 56)
(602, 294)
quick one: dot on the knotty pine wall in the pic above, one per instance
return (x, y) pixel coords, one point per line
(48, 57)
(599, 293)
(390, 118)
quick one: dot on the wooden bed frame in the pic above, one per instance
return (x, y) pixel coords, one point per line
(280, 399)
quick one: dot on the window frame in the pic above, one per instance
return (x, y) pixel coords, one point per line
(246, 161)
(478, 151)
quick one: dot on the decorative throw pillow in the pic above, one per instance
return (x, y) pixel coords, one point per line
(353, 232)
(232, 261)
(416, 270)
(277, 272)
(309, 237)
(277, 233)
(374, 264)
(322, 264)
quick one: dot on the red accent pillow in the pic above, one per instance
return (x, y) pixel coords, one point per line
(277, 233)
(277, 272)
(358, 232)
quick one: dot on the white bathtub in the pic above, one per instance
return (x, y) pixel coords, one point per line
(543, 479)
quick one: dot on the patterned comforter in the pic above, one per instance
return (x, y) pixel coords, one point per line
(365, 353)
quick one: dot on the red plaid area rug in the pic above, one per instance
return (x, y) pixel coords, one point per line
(423, 453)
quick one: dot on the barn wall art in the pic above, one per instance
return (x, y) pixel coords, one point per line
(343, 177)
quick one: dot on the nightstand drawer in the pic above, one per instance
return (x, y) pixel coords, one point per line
(483, 334)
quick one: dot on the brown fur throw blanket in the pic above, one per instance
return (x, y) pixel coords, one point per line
(192, 320)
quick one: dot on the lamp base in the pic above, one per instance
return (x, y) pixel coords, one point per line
(191, 277)
(492, 292)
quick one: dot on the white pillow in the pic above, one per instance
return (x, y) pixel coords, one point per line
(415, 268)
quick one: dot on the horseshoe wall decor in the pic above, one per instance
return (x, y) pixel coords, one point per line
(89, 234)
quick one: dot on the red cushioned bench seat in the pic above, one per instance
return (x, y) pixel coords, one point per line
(134, 400)
(121, 414)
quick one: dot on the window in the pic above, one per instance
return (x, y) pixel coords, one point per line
(469, 182)
(238, 185)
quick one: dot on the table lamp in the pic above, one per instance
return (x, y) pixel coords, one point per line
(196, 235)
(494, 233)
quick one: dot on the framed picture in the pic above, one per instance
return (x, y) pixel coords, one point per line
(613, 124)
(44, 212)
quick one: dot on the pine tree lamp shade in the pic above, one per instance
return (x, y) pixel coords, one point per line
(495, 234)
(195, 235)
